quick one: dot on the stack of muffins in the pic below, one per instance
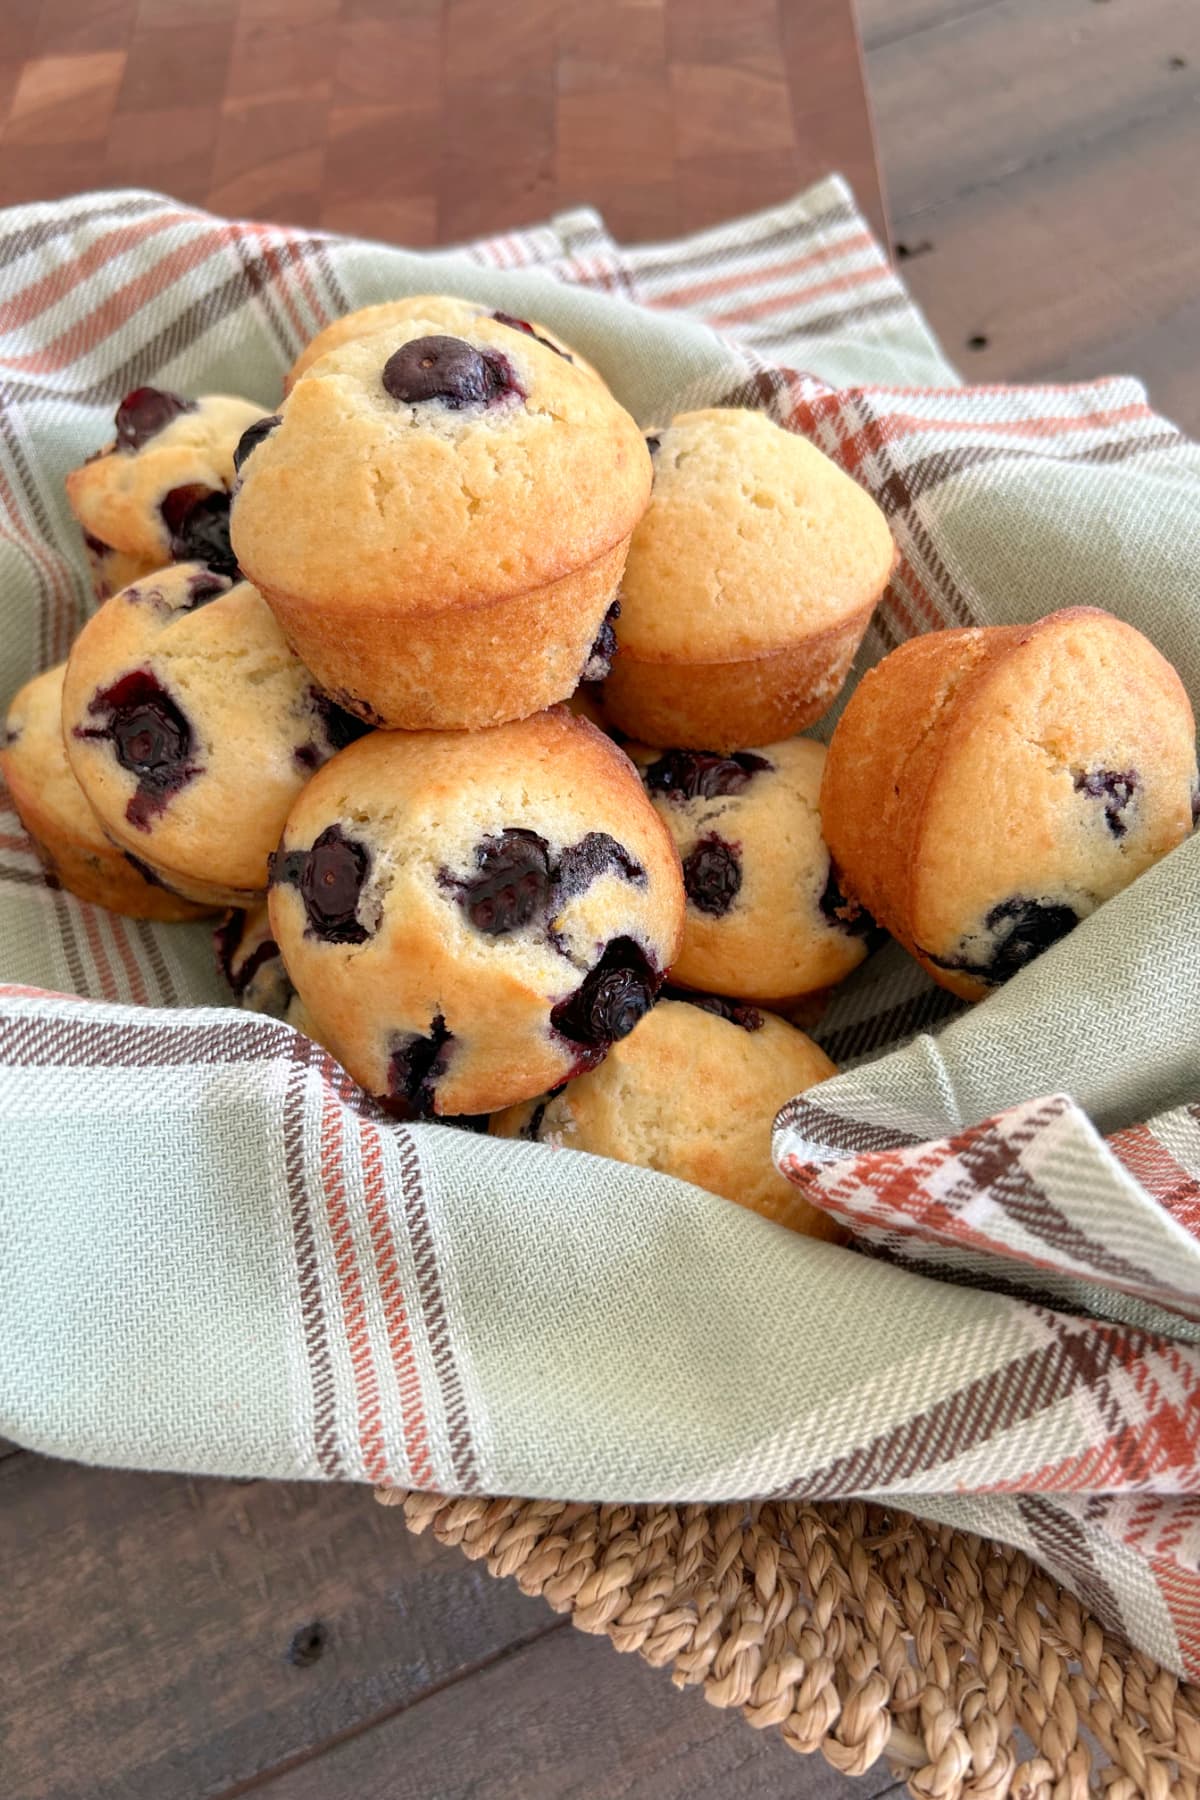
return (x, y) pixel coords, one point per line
(478, 708)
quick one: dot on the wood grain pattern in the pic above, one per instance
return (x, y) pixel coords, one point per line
(168, 1640)
(433, 120)
(567, 1719)
(1041, 159)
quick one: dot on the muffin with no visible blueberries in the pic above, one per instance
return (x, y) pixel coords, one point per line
(750, 582)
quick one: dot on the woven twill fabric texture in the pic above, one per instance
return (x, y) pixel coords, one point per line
(216, 1256)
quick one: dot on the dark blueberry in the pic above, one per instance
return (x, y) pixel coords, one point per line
(712, 875)
(227, 941)
(611, 998)
(362, 709)
(96, 545)
(1022, 929)
(205, 585)
(1195, 807)
(503, 318)
(449, 370)
(252, 437)
(338, 728)
(594, 855)
(198, 522)
(736, 1011)
(1115, 787)
(150, 736)
(653, 443)
(701, 774)
(600, 657)
(227, 936)
(11, 735)
(144, 413)
(846, 915)
(533, 1123)
(413, 1072)
(148, 874)
(330, 882)
(512, 886)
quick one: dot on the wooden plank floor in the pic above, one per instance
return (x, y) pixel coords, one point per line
(1040, 159)
(175, 1640)
(198, 1640)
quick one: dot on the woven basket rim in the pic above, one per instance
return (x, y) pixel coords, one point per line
(857, 1630)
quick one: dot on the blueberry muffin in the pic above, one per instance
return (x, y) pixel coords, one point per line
(52, 808)
(159, 492)
(440, 522)
(451, 314)
(749, 585)
(987, 789)
(191, 727)
(470, 918)
(692, 1092)
(765, 917)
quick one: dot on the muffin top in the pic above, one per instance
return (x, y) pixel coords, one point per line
(693, 1093)
(452, 313)
(149, 492)
(414, 471)
(752, 540)
(506, 898)
(192, 726)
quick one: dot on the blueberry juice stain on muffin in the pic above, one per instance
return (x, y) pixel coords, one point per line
(450, 371)
(150, 736)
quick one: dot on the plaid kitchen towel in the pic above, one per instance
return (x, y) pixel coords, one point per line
(216, 1256)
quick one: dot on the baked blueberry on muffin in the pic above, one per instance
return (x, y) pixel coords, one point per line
(440, 521)
(451, 313)
(692, 1092)
(111, 570)
(987, 789)
(250, 961)
(471, 918)
(749, 585)
(765, 917)
(53, 810)
(191, 727)
(159, 492)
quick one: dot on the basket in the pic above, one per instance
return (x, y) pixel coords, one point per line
(857, 1631)
(852, 1628)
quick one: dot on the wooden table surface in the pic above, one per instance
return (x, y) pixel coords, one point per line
(168, 1639)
